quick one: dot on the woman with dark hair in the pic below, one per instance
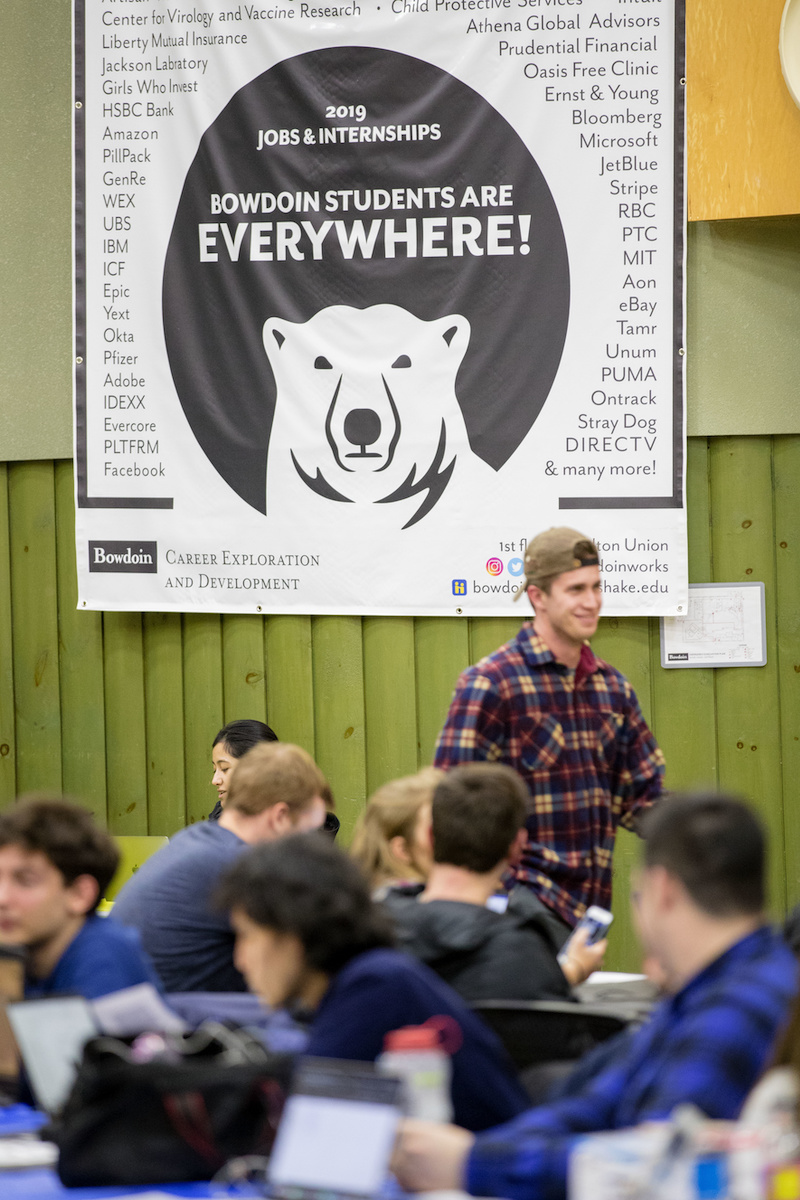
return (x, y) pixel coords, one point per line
(232, 741)
(309, 938)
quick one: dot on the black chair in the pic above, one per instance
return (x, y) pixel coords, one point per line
(544, 1038)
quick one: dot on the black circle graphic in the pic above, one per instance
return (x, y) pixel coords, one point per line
(437, 134)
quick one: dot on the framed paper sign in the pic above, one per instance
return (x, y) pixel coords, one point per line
(724, 627)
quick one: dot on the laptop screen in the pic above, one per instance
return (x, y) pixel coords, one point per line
(51, 1034)
(337, 1131)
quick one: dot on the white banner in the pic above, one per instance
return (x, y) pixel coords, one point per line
(368, 293)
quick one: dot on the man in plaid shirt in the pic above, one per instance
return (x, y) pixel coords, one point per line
(569, 723)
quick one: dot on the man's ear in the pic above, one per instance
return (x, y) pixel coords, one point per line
(535, 595)
(279, 819)
(83, 894)
(665, 889)
(673, 892)
(517, 847)
(399, 848)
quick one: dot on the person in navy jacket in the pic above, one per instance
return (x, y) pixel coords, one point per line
(310, 938)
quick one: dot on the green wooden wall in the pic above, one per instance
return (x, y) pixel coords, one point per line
(118, 709)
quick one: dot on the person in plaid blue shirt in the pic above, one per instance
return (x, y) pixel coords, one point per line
(731, 979)
(568, 722)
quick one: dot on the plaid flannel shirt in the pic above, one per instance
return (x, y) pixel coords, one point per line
(706, 1046)
(580, 742)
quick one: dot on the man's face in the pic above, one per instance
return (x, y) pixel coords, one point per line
(36, 905)
(272, 963)
(572, 606)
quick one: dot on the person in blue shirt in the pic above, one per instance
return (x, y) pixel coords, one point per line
(277, 788)
(731, 979)
(310, 938)
(55, 865)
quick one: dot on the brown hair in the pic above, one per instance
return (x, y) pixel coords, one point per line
(308, 888)
(715, 845)
(478, 810)
(391, 812)
(65, 834)
(275, 773)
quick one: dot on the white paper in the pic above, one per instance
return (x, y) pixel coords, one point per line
(137, 1009)
(724, 627)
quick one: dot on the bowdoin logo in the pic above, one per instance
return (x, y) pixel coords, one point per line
(140, 557)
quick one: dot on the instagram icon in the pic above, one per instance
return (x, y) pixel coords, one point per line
(494, 566)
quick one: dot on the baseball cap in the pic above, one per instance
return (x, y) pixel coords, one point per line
(553, 552)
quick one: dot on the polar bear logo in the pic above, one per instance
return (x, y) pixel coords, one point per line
(366, 410)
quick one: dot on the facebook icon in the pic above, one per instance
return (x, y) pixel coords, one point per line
(459, 587)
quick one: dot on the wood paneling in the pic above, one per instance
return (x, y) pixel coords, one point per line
(80, 668)
(742, 126)
(390, 699)
(8, 757)
(34, 627)
(164, 723)
(743, 545)
(786, 494)
(339, 715)
(120, 708)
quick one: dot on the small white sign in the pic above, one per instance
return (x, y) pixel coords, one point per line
(724, 627)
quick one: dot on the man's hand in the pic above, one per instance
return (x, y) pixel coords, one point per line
(583, 959)
(431, 1158)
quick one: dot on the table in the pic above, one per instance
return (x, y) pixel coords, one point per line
(42, 1183)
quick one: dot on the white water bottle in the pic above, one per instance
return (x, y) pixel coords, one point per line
(415, 1055)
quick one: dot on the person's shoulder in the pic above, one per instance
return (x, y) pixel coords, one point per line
(765, 957)
(203, 840)
(174, 873)
(762, 947)
(516, 657)
(382, 962)
(394, 971)
(610, 682)
(756, 978)
(103, 957)
(99, 934)
(201, 833)
(97, 928)
(402, 902)
(605, 670)
(446, 931)
(524, 938)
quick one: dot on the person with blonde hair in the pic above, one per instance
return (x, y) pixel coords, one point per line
(392, 840)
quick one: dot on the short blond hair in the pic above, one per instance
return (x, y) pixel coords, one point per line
(391, 812)
(275, 773)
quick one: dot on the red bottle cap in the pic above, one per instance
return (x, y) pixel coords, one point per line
(413, 1037)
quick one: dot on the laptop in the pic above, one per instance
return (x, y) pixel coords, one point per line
(51, 1033)
(337, 1132)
